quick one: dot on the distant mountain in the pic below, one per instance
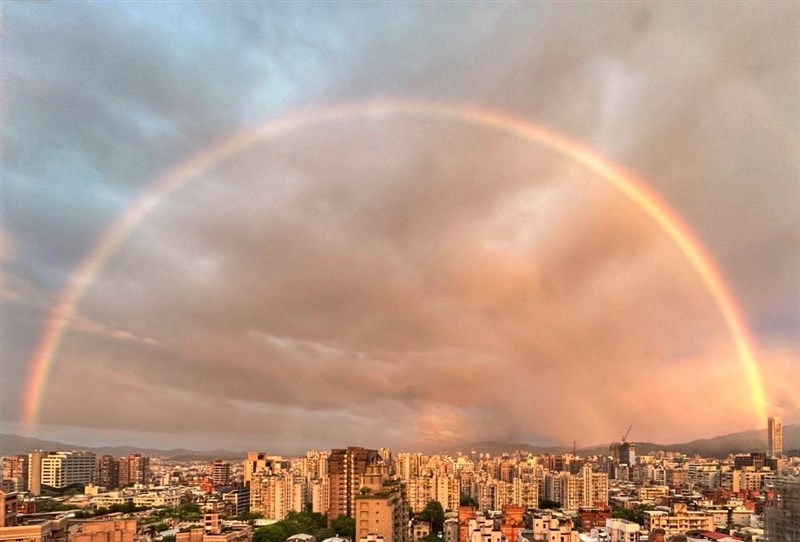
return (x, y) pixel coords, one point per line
(742, 442)
(15, 444)
(734, 443)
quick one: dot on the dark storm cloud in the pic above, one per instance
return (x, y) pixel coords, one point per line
(449, 279)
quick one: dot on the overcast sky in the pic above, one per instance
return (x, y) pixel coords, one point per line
(398, 280)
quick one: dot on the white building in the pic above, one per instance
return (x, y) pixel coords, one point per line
(64, 468)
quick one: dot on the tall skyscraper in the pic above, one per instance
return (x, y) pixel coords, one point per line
(774, 436)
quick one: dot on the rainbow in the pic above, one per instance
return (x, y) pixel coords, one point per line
(635, 190)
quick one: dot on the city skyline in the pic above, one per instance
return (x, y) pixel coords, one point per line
(255, 225)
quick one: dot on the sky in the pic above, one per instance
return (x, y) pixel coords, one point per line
(387, 276)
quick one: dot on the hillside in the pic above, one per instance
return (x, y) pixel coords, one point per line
(721, 446)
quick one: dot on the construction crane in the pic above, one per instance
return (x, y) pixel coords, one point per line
(625, 436)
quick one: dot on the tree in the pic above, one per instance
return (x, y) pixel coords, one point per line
(344, 526)
(189, 510)
(433, 513)
(545, 504)
(168, 538)
(635, 514)
(466, 500)
(249, 517)
(305, 522)
(271, 533)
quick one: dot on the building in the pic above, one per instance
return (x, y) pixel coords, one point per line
(37, 528)
(594, 516)
(35, 471)
(678, 522)
(513, 522)
(237, 500)
(624, 453)
(774, 436)
(782, 516)
(164, 497)
(134, 469)
(419, 530)
(320, 495)
(622, 530)
(15, 472)
(257, 463)
(525, 494)
(451, 529)
(465, 515)
(553, 527)
(420, 492)
(107, 475)
(595, 487)
(63, 469)
(380, 510)
(482, 529)
(8, 509)
(275, 495)
(345, 469)
(108, 530)
(220, 473)
(213, 531)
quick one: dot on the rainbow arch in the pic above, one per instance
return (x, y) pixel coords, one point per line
(632, 188)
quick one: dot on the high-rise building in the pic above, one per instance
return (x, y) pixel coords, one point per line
(134, 469)
(320, 496)
(107, 472)
(63, 469)
(255, 462)
(380, 512)
(275, 495)
(782, 516)
(220, 473)
(258, 463)
(35, 471)
(774, 436)
(345, 469)
(15, 470)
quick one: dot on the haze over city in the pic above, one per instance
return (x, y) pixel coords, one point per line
(340, 229)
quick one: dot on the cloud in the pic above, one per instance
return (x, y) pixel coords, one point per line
(412, 280)
(426, 298)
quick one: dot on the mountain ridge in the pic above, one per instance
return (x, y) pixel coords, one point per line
(720, 446)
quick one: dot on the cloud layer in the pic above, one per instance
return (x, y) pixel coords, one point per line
(408, 281)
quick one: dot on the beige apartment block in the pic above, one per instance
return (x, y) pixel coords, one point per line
(37, 529)
(201, 535)
(678, 523)
(112, 530)
(381, 514)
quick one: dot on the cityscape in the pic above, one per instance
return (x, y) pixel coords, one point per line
(375, 271)
(368, 495)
